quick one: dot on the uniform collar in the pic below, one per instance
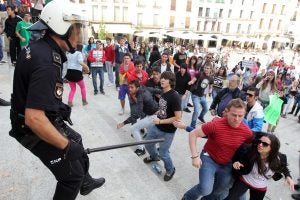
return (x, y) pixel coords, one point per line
(55, 47)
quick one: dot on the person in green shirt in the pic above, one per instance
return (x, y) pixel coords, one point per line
(21, 30)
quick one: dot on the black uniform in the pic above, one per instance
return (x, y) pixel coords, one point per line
(38, 85)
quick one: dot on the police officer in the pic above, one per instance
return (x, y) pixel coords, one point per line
(38, 115)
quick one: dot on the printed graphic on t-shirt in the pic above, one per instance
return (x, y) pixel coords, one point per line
(162, 109)
(204, 83)
(182, 56)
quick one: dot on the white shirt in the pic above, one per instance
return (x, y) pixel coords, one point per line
(163, 67)
(74, 60)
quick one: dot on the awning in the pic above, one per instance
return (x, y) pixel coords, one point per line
(147, 34)
(189, 35)
(119, 28)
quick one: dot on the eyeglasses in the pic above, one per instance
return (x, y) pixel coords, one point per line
(264, 144)
(250, 95)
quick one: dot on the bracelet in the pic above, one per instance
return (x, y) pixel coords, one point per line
(193, 157)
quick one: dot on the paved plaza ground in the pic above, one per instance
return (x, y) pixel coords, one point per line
(24, 177)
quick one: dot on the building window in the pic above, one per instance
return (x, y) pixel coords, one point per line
(207, 12)
(219, 26)
(294, 16)
(243, 1)
(103, 13)
(125, 14)
(270, 24)
(189, 6)
(173, 5)
(261, 23)
(282, 9)
(229, 13)
(139, 19)
(95, 13)
(227, 27)
(279, 24)
(239, 28)
(116, 1)
(117, 16)
(249, 28)
(198, 25)
(125, 1)
(200, 12)
(155, 19)
(172, 20)
(273, 8)
(251, 14)
(205, 25)
(264, 8)
(241, 14)
(81, 1)
(221, 13)
(157, 4)
(187, 22)
(253, 1)
(231, 1)
(213, 25)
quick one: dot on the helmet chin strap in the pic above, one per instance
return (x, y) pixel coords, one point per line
(71, 49)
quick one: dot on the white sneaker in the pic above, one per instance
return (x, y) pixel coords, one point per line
(121, 112)
(109, 84)
(90, 76)
(3, 61)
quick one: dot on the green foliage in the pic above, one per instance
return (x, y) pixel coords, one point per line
(102, 34)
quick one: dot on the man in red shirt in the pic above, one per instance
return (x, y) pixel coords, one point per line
(110, 57)
(225, 135)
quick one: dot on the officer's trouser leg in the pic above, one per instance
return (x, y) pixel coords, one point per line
(69, 174)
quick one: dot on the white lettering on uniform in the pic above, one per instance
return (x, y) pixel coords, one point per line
(52, 162)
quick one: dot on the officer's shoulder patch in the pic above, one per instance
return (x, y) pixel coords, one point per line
(58, 90)
(56, 58)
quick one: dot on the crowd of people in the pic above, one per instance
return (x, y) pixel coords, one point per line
(161, 81)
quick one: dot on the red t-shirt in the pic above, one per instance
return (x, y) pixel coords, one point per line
(224, 140)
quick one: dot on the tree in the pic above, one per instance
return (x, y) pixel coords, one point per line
(102, 34)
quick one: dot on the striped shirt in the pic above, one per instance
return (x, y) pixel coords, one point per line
(224, 140)
(98, 55)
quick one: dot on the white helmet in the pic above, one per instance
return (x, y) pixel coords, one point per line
(59, 16)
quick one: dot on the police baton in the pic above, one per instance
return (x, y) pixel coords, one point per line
(118, 146)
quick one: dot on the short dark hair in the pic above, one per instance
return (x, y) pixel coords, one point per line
(108, 38)
(136, 83)
(127, 54)
(12, 7)
(255, 90)
(156, 69)
(165, 53)
(98, 41)
(79, 47)
(138, 62)
(169, 76)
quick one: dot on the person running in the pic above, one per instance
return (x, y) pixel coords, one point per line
(168, 112)
(142, 112)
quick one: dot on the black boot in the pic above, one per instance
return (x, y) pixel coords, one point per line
(4, 103)
(89, 184)
(293, 109)
(298, 108)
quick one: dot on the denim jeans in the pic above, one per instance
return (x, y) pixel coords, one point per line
(117, 69)
(146, 122)
(185, 101)
(110, 72)
(164, 154)
(1, 47)
(213, 178)
(95, 71)
(197, 101)
(215, 91)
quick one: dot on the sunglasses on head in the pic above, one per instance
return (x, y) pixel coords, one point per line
(265, 144)
(250, 95)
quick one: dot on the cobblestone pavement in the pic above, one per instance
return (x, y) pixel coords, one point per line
(23, 177)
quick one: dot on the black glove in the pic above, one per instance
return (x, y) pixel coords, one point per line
(74, 151)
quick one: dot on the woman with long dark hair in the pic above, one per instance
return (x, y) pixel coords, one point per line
(154, 55)
(261, 163)
(219, 78)
(91, 45)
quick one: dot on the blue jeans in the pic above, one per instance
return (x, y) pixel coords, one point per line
(215, 91)
(213, 178)
(1, 47)
(197, 101)
(95, 71)
(164, 154)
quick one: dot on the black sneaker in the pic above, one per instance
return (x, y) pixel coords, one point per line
(4, 103)
(95, 92)
(168, 176)
(140, 152)
(296, 196)
(102, 92)
(186, 110)
(190, 105)
(150, 159)
(297, 186)
(202, 120)
(89, 184)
